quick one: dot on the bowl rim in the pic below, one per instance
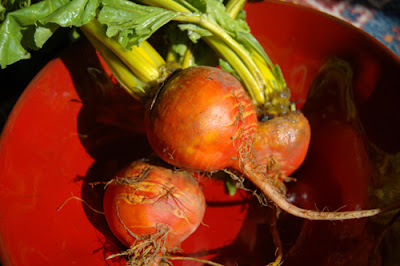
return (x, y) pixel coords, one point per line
(335, 19)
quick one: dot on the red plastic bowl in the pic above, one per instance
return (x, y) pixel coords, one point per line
(56, 143)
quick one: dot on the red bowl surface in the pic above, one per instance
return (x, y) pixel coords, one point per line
(58, 141)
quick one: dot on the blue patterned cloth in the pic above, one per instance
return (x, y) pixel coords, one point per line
(385, 25)
(379, 18)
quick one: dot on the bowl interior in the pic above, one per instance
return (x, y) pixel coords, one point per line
(57, 142)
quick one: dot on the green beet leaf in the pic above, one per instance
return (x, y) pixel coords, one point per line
(130, 22)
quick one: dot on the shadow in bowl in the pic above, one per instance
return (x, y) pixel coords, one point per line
(110, 127)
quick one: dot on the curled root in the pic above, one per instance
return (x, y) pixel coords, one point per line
(258, 175)
(270, 173)
(81, 200)
(239, 182)
(147, 249)
(239, 179)
(141, 176)
(151, 249)
(273, 220)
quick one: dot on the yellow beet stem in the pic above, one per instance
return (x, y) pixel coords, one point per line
(188, 58)
(231, 57)
(273, 85)
(153, 54)
(264, 84)
(226, 46)
(146, 56)
(169, 4)
(233, 7)
(125, 77)
(134, 59)
(171, 56)
(270, 80)
(231, 44)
